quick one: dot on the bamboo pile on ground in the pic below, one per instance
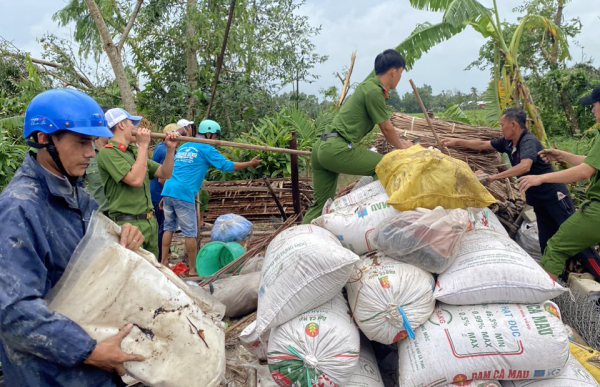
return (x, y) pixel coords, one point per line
(252, 200)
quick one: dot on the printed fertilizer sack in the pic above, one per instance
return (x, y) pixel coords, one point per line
(304, 267)
(490, 268)
(318, 348)
(486, 219)
(106, 286)
(495, 341)
(356, 196)
(389, 298)
(419, 177)
(352, 225)
(367, 373)
(255, 344)
(425, 238)
(574, 375)
(474, 383)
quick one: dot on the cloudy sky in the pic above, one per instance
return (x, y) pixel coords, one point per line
(365, 26)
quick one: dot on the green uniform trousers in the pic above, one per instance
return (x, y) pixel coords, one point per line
(329, 158)
(149, 229)
(580, 231)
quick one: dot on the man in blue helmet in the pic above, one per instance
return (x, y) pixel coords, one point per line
(44, 214)
(191, 163)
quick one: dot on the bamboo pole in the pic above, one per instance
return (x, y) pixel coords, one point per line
(437, 138)
(161, 136)
(346, 82)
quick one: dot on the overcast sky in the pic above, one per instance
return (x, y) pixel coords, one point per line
(366, 26)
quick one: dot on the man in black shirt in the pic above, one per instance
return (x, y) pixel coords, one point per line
(551, 201)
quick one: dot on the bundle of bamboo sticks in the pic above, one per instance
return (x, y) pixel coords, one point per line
(410, 127)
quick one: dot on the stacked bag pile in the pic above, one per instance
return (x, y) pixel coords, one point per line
(415, 264)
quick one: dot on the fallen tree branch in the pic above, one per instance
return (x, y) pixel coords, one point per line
(129, 25)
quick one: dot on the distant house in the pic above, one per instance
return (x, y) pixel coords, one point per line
(481, 104)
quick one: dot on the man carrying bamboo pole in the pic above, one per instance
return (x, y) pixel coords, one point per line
(179, 192)
(126, 171)
(551, 202)
(335, 151)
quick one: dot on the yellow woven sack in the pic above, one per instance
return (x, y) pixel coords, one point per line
(420, 177)
(588, 357)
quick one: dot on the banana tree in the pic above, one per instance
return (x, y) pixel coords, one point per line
(508, 88)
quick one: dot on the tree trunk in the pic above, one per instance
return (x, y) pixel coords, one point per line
(191, 57)
(564, 99)
(558, 22)
(531, 109)
(114, 57)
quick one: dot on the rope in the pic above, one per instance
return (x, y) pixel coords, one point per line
(295, 353)
(409, 331)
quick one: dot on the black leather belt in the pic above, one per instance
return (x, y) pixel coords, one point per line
(124, 218)
(325, 136)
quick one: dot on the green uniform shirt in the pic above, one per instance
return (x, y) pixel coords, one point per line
(364, 109)
(593, 160)
(114, 162)
(94, 183)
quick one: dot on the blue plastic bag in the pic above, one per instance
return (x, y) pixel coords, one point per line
(230, 228)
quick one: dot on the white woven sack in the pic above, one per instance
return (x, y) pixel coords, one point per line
(357, 195)
(490, 268)
(574, 375)
(318, 348)
(474, 383)
(389, 299)
(106, 286)
(366, 374)
(304, 267)
(352, 225)
(485, 218)
(255, 344)
(476, 342)
(528, 238)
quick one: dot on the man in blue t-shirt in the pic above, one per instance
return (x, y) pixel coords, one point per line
(179, 192)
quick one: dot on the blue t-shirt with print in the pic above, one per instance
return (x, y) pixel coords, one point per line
(192, 160)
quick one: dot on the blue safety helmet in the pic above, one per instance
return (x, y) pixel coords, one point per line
(65, 109)
(209, 126)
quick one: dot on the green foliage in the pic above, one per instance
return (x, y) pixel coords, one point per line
(557, 88)
(436, 102)
(454, 113)
(11, 156)
(274, 131)
(535, 46)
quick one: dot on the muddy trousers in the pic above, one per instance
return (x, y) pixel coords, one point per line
(575, 236)
(149, 229)
(329, 158)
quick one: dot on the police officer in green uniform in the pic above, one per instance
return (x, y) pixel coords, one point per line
(126, 172)
(582, 229)
(93, 182)
(336, 151)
